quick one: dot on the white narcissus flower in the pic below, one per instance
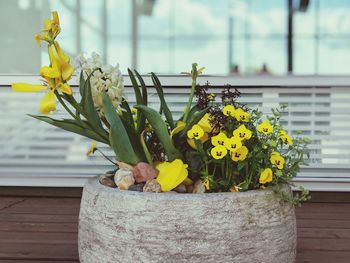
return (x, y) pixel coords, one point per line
(104, 78)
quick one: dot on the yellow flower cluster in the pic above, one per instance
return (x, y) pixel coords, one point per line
(57, 74)
(239, 114)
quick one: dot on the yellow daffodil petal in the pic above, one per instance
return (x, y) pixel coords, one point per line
(37, 38)
(240, 154)
(47, 25)
(63, 57)
(229, 110)
(219, 139)
(180, 125)
(65, 88)
(48, 103)
(205, 124)
(266, 176)
(265, 127)
(49, 72)
(171, 174)
(67, 71)
(218, 152)
(24, 87)
(92, 148)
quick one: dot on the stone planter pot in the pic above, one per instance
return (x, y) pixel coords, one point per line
(126, 226)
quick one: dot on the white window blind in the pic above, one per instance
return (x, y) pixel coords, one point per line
(34, 153)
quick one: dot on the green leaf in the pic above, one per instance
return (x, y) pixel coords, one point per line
(127, 114)
(142, 122)
(118, 136)
(240, 165)
(88, 107)
(197, 116)
(163, 104)
(82, 84)
(161, 130)
(72, 126)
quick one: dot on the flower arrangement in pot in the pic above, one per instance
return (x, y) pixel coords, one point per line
(217, 146)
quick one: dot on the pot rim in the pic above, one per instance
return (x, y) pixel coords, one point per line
(93, 185)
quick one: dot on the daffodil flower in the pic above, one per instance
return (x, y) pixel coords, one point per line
(240, 154)
(277, 160)
(228, 110)
(218, 152)
(204, 123)
(241, 115)
(180, 125)
(233, 144)
(265, 127)
(171, 174)
(92, 148)
(266, 176)
(242, 133)
(196, 132)
(219, 139)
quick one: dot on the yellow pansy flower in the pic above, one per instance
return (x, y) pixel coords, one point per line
(266, 176)
(265, 127)
(242, 133)
(241, 115)
(211, 96)
(229, 110)
(240, 154)
(206, 183)
(218, 152)
(285, 137)
(277, 160)
(204, 123)
(233, 144)
(219, 139)
(196, 132)
(171, 174)
(92, 148)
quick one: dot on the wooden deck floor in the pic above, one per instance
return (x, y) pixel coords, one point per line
(40, 225)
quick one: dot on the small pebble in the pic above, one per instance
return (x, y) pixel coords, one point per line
(152, 186)
(123, 178)
(107, 181)
(143, 172)
(136, 187)
(198, 187)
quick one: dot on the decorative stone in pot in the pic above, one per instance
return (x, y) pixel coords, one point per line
(129, 226)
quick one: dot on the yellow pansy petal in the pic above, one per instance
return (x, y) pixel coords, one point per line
(240, 154)
(65, 88)
(191, 142)
(48, 103)
(218, 152)
(24, 87)
(266, 176)
(229, 110)
(171, 174)
(219, 139)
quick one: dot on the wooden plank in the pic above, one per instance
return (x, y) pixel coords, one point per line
(325, 233)
(51, 206)
(319, 244)
(38, 251)
(321, 207)
(330, 197)
(323, 257)
(39, 227)
(323, 214)
(41, 191)
(39, 238)
(38, 218)
(323, 223)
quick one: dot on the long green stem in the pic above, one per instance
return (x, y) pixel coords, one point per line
(189, 103)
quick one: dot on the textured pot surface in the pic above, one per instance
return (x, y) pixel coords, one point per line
(127, 226)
